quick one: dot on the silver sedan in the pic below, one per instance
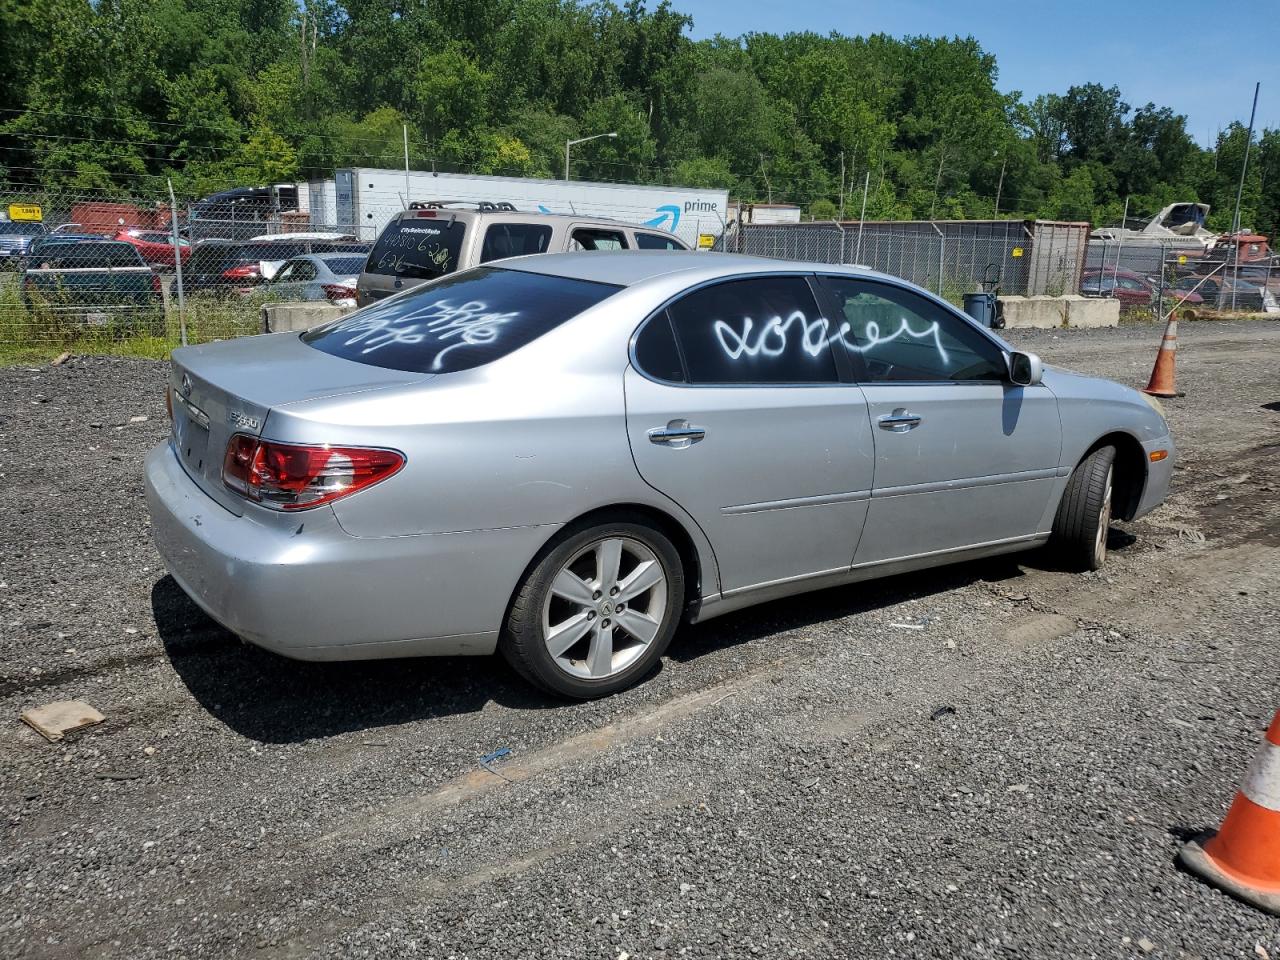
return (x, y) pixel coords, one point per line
(564, 457)
(318, 276)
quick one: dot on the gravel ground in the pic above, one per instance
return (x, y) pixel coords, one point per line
(804, 779)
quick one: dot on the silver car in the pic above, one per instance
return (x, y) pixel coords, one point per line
(318, 276)
(565, 456)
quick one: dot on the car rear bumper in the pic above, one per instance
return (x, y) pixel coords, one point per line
(1159, 474)
(297, 584)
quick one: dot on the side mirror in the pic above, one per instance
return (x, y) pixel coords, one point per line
(1025, 369)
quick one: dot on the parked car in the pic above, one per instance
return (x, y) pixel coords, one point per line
(16, 237)
(1132, 289)
(564, 456)
(227, 266)
(430, 240)
(1225, 292)
(155, 246)
(96, 282)
(318, 276)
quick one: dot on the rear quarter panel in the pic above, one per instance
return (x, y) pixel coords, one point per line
(536, 438)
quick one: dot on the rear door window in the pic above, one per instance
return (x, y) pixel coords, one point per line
(657, 241)
(594, 238)
(514, 240)
(461, 321)
(209, 259)
(766, 330)
(419, 248)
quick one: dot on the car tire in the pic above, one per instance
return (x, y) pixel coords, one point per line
(570, 596)
(1080, 527)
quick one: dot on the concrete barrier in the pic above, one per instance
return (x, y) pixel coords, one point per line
(1046, 313)
(286, 317)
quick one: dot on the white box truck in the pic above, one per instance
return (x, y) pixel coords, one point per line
(364, 200)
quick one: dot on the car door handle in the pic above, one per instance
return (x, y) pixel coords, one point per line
(677, 433)
(900, 421)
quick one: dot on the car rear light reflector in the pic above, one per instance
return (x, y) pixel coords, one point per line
(287, 476)
(338, 291)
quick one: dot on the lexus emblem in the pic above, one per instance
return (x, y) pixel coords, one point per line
(186, 385)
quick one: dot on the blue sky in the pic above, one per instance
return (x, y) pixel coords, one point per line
(1199, 58)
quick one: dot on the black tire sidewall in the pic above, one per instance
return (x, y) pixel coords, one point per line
(522, 640)
(1075, 526)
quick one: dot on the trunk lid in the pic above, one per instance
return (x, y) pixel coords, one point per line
(220, 389)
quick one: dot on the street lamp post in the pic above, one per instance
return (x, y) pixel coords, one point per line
(570, 143)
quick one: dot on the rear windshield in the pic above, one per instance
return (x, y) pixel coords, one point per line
(459, 322)
(208, 258)
(69, 256)
(344, 265)
(21, 228)
(418, 247)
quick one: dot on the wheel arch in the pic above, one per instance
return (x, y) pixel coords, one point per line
(691, 561)
(1130, 477)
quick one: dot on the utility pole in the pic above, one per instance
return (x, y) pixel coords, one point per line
(866, 185)
(841, 216)
(767, 184)
(1235, 220)
(1000, 185)
(570, 143)
(405, 128)
(178, 254)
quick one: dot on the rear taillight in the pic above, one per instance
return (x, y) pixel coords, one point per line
(288, 476)
(338, 291)
(247, 272)
(155, 283)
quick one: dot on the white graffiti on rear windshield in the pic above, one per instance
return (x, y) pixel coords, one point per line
(772, 338)
(465, 324)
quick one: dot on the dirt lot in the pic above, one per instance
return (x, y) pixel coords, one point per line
(808, 778)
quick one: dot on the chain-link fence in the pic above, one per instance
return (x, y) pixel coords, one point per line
(94, 272)
(951, 258)
(1159, 274)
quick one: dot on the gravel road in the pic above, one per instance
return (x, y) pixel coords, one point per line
(811, 778)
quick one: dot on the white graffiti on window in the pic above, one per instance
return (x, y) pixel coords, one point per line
(772, 338)
(468, 324)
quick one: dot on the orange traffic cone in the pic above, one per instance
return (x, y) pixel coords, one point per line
(1161, 383)
(1243, 858)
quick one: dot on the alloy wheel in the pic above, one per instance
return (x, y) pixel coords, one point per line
(604, 608)
(1104, 523)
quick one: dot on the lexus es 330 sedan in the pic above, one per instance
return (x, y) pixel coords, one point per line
(565, 456)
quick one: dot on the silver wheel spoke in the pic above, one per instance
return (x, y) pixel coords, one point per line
(565, 635)
(580, 608)
(645, 576)
(640, 626)
(608, 560)
(600, 659)
(569, 586)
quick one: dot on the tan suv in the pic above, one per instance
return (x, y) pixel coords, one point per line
(431, 239)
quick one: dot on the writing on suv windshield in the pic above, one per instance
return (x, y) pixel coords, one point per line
(418, 248)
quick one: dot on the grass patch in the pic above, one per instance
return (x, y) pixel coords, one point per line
(39, 329)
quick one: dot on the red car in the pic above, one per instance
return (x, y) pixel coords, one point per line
(156, 246)
(1130, 288)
